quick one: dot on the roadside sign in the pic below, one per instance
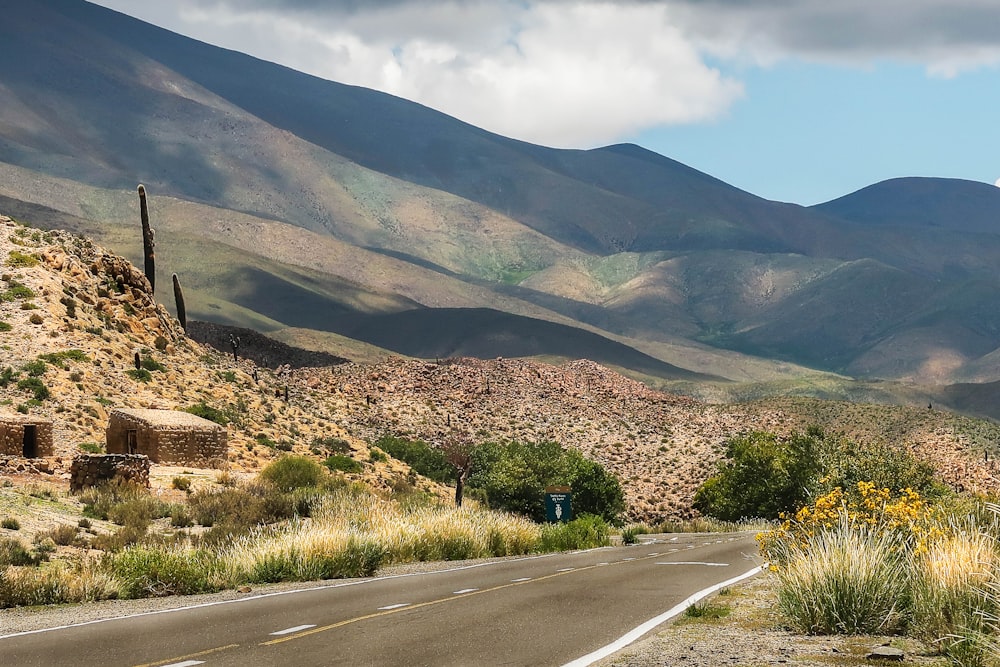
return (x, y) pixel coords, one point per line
(558, 504)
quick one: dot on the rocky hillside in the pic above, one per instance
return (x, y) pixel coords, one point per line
(90, 312)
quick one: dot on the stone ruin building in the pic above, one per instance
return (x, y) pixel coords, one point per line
(26, 436)
(168, 437)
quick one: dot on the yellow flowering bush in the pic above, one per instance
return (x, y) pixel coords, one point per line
(903, 513)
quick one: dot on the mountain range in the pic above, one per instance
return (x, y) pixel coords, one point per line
(338, 216)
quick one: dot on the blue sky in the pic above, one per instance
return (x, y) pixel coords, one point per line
(793, 100)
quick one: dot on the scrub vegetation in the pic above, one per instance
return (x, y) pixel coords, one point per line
(296, 522)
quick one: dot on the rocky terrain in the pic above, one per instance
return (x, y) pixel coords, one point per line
(62, 293)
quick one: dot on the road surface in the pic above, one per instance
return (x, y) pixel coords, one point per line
(543, 610)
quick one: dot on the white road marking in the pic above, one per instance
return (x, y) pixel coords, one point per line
(465, 590)
(673, 539)
(289, 631)
(638, 632)
(696, 563)
(627, 559)
(566, 569)
(654, 554)
(186, 663)
(394, 606)
(600, 564)
(517, 581)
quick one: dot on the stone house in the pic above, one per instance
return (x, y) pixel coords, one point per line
(167, 437)
(25, 435)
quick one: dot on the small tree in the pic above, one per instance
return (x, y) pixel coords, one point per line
(458, 448)
(762, 476)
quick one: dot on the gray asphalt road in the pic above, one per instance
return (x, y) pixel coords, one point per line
(547, 610)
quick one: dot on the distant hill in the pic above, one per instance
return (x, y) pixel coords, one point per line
(944, 203)
(285, 201)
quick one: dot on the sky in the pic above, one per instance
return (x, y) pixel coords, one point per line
(793, 100)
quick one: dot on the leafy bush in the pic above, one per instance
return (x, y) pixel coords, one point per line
(513, 477)
(764, 476)
(10, 523)
(150, 364)
(5, 326)
(34, 385)
(585, 532)
(330, 445)
(293, 472)
(139, 375)
(13, 552)
(761, 476)
(156, 572)
(35, 368)
(18, 260)
(181, 483)
(423, 458)
(342, 463)
(64, 534)
(208, 412)
(92, 447)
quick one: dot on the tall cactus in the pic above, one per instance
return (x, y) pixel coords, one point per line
(179, 301)
(149, 261)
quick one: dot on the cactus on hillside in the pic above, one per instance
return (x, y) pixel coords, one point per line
(149, 261)
(179, 302)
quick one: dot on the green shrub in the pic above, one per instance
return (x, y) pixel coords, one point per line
(585, 532)
(342, 463)
(61, 357)
(513, 476)
(100, 501)
(34, 385)
(7, 375)
(206, 411)
(139, 375)
(181, 483)
(293, 472)
(150, 364)
(156, 572)
(64, 534)
(13, 552)
(92, 447)
(377, 455)
(19, 260)
(330, 445)
(423, 458)
(10, 523)
(16, 291)
(5, 326)
(35, 368)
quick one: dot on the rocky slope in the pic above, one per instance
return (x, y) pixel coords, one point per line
(61, 293)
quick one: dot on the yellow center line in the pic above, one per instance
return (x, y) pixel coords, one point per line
(450, 598)
(191, 656)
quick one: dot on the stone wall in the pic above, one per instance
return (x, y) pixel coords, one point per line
(93, 469)
(201, 449)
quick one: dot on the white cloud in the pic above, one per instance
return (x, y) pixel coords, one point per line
(574, 74)
(580, 72)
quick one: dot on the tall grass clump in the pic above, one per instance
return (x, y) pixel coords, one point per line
(55, 583)
(416, 532)
(155, 571)
(844, 564)
(584, 532)
(951, 599)
(301, 552)
(851, 578)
